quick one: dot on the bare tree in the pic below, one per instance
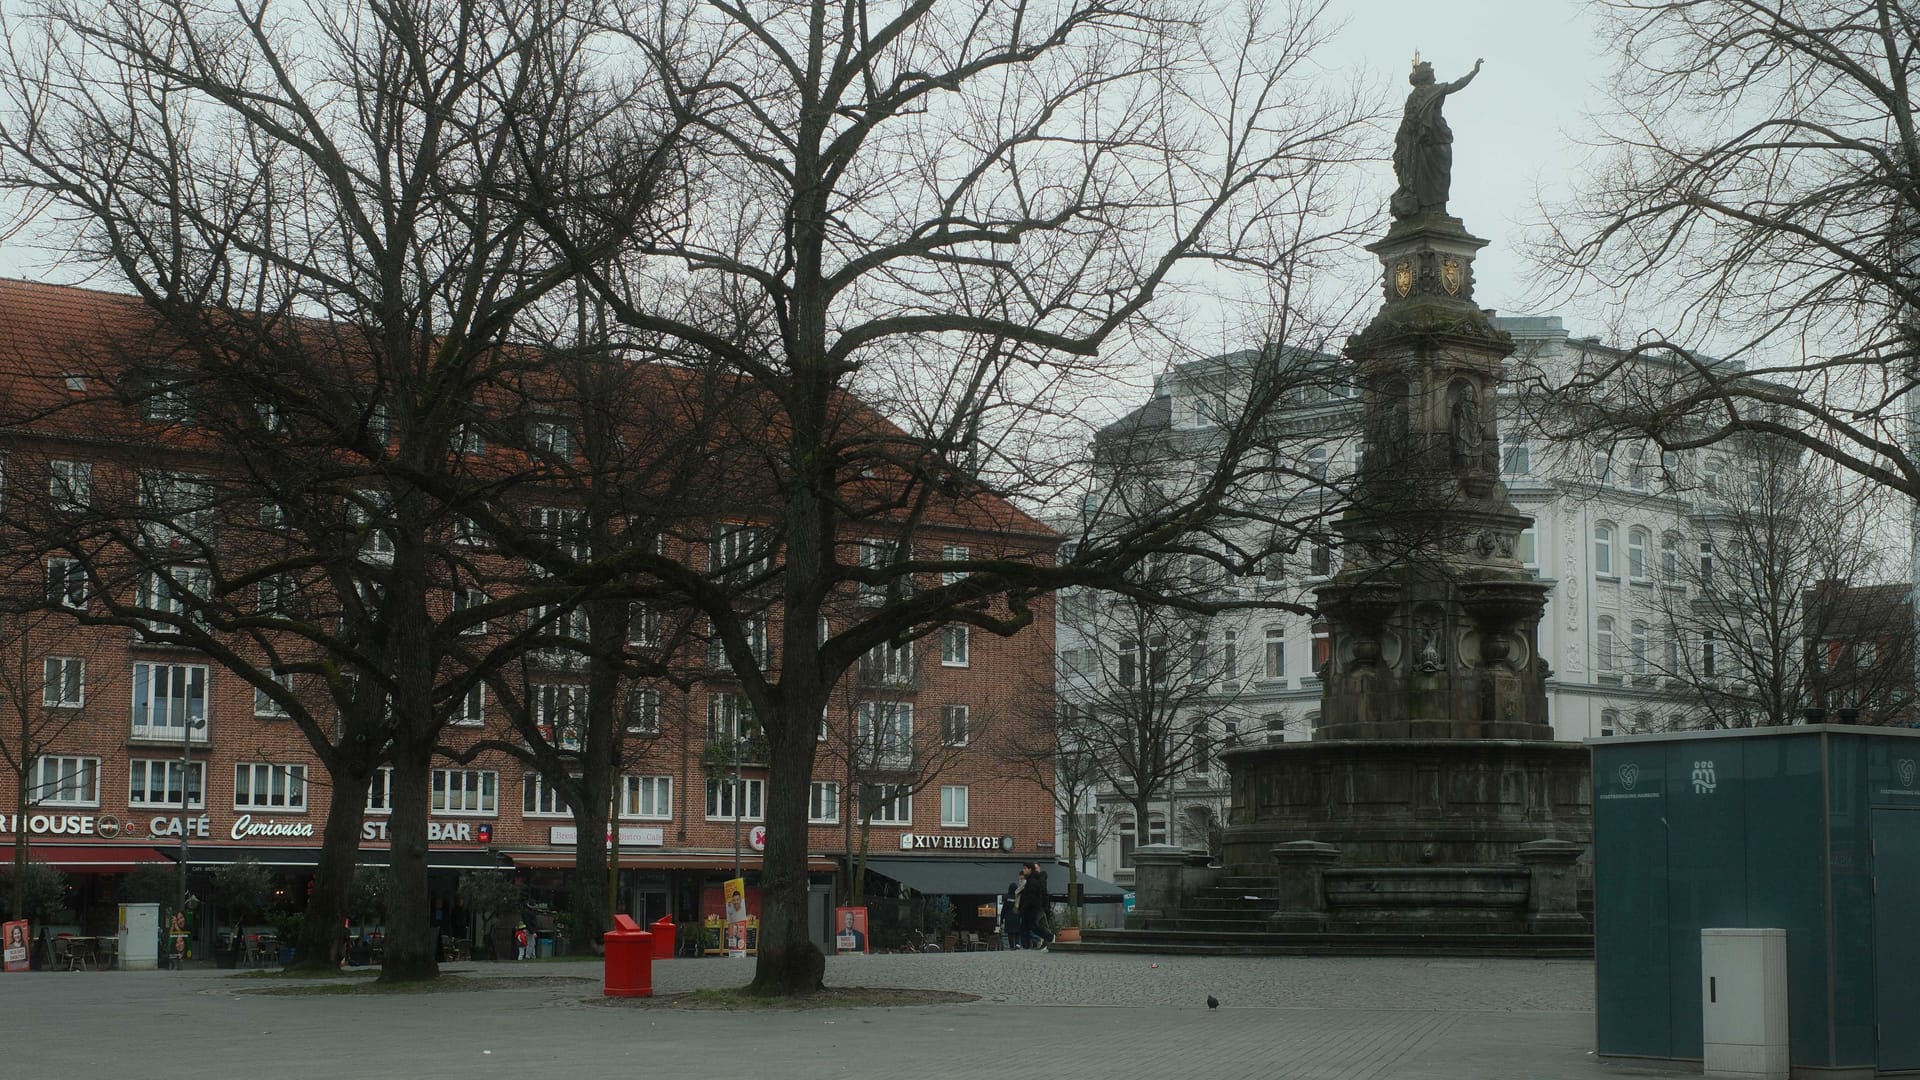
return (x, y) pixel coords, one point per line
(40, 700)
(958, 213)
(322, 207)
(1145, 696)
(1723, 627)
(1759, 195)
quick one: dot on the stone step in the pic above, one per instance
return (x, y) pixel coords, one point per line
(1232, 943)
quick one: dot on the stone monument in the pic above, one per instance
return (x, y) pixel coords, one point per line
(1432, 795)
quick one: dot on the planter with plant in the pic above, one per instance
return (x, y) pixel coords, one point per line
(240, 887)
(1069, 926)
(493, 898)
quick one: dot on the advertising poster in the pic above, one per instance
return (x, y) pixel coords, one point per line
(14, 953)
(735, 892)
(850, 930)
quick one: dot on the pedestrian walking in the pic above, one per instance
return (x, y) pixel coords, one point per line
(1033, 906)
(1010, 925)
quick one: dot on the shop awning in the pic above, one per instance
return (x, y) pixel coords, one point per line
(985, 877)
(100, 858)
(288, 856)
(562, 859)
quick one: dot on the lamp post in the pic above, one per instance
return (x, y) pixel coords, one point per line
(186, 803)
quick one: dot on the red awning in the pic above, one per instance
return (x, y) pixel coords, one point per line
(100, 858)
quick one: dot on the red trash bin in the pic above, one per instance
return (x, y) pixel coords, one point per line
(629, 960)
(663, 937)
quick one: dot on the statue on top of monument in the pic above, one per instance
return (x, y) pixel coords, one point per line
(1423, 147)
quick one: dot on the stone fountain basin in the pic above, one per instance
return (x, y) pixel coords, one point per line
(1485, 887)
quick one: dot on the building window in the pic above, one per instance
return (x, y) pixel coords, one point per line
(955, 728)
(1515, 457)
(643, 711)
(890, 664)
(1317, 464)
(1127, 666)
(274, 595)
(1156, 834)
(1669, 558)
(472, 792)
(953, 646)
(1275, 666)
(466, 600)
(1637, 467)
(646, 798)
(886, 734)
(71, 486)
(559, 710)
(473, 707)
(1320, 559)
(954, 553)
(264, 703)
(730, 718)
(1638, 647)
(1603, 550)
(953, 805)
(1707, 653)
(157, 784)
(176, 509)
(823, 803)
(1706, 562)
(562, 529)
(727, 797)
(1603, 644)
(67, 583)
(64, 780)
(643, 625)
(379, 424)
(1637, 554)
(466, 533)
(1609, 723)
(1525, 548)
(739, 554)
(1230, 655)
(551, 438)
(173, 592)
(538, 798)
(168, 700)
(875, 556)
(887, 804)
(1322, 647)
(380, 791)
(270, 787)
(65, 684)
(166, 403)
(469, 440)
(1716, 476)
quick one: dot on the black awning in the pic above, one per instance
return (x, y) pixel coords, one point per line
(985, 877)
(282, 855)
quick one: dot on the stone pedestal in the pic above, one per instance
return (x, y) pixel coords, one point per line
(1553, 886)
(1159, 871)
(1301, 883)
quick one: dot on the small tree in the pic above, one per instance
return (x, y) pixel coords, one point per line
(42, 892)
(241, 886)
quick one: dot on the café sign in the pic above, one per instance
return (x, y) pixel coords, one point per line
(438, 832)
(245, 828)
(954, 842)
(630, 836)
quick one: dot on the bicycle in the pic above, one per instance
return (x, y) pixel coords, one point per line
(918, 942)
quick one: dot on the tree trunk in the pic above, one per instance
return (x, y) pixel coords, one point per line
(319, 947)
(22, 835)
(790, 963)
(592, 914)
(409, 945)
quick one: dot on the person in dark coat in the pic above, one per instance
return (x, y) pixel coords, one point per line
(1010, 914)
(1033, 906)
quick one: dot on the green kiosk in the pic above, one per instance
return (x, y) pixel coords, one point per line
(1814, 830)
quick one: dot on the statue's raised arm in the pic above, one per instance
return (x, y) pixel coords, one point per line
(1423, 148)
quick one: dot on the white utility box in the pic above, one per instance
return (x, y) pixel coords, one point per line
(139, 937)
(1743, 1000)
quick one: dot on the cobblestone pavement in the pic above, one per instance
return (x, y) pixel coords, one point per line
(1053, 1015)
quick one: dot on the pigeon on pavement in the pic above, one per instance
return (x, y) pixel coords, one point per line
(1212, 1002)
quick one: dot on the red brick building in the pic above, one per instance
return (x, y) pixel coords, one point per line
(104, 717)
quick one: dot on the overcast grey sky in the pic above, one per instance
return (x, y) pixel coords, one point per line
(1512, 127)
